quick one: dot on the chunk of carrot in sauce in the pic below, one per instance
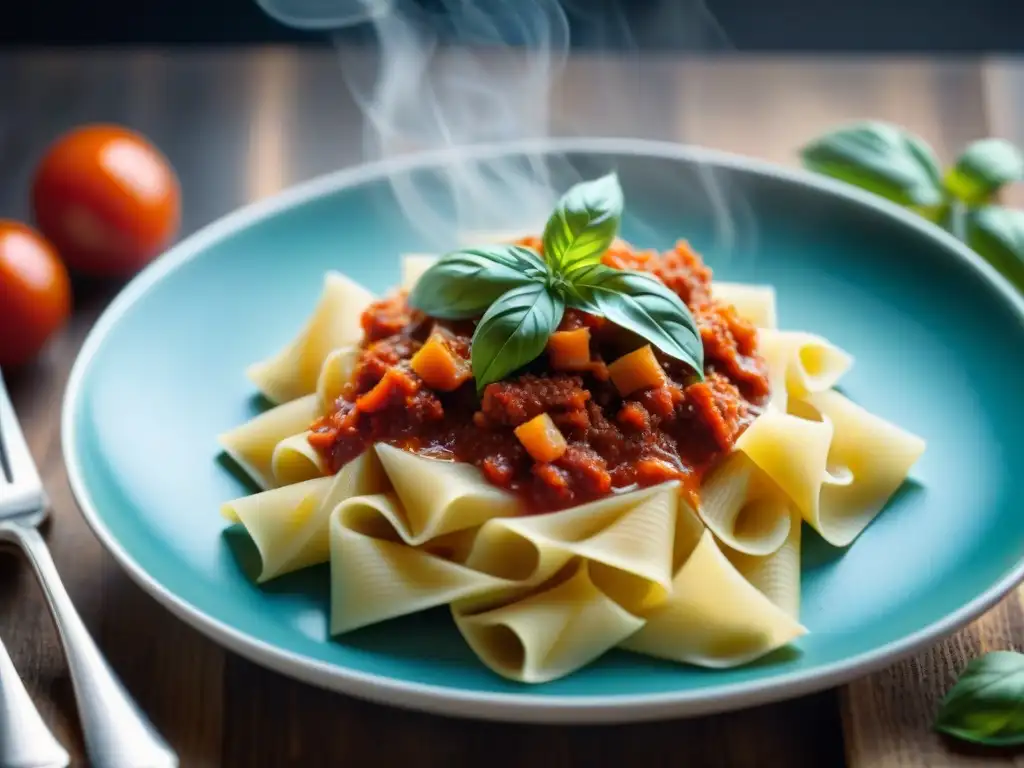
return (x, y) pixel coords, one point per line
(438, 366)
(396, 383)
(570, 350)
(323, 435)
(637, 370)
(651, 471)
(541, 438)
(633, 416)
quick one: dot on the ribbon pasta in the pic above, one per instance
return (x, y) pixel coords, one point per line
(538, 597)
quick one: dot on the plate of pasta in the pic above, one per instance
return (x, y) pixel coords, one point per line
(598, 468)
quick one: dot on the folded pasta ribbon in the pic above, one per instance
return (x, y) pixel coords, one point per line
(744, 507)
(580, 580)
(294, 370)
(378, 574)
(714, 617)
(775, 575)
(551, 631)
(402, 551)
(799, 364)
(838, 463)
(256, 445)
(289, 525)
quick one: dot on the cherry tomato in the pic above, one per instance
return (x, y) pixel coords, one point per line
(35, 293)
(107, 199)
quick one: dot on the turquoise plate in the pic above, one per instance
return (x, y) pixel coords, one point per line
(937, 336)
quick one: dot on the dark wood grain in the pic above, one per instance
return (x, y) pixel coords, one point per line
(241, 125)
(800, 733)
(888, 716)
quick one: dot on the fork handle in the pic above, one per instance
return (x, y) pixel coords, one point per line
(117, 734)
(25, 741)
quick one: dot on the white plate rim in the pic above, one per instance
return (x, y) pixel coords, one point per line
(526, 707)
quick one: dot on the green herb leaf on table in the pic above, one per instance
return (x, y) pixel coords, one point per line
(882, 159)
(642, 304)
(584, 224)
(514, 331)
(997, 235)
(983, 168)
(465, 283)
(986, 706)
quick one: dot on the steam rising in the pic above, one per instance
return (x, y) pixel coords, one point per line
(424, 97)
(496, 85)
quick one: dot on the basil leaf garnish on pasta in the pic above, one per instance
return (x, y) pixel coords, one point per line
(465, 283)
(514, 331)
(642, 304)
(584, 224)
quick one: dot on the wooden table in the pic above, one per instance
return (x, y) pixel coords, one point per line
(239, 125)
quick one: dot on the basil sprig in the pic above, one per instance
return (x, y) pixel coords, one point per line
(986, 706)
(896, 164)
(522, 296)
(880, 158)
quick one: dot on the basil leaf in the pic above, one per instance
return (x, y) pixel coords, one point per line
(997, 234)
(584, 223)
(465, 283)
(880, 158)
(514, 331)
(642, 304)
(983, 168)
(986, 706)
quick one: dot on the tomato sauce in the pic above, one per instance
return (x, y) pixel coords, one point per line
(671, 432)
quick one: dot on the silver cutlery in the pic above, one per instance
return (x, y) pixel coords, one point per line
(25, 741)
(117, 734)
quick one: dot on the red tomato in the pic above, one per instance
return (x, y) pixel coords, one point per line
(35, 293)
(107, 199)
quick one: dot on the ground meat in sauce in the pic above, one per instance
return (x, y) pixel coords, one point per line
(673, 432)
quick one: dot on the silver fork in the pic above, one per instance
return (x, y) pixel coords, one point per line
(117, 734)
(25, 741)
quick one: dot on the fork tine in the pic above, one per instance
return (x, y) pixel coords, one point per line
(24, 738)
(14, 447)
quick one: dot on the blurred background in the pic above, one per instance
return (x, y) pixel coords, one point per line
(961, 26)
